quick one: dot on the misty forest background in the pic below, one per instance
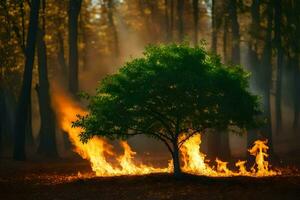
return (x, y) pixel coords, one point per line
(75, 43)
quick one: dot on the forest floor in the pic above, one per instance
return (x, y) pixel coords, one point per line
(60, 180)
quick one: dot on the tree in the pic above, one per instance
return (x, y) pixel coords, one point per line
(196, 19)
(213, 26)
(235, 29)
(180, 9)
(24, 99)
(279, 61)
(171, 94)
(47, 144)
(74, 9)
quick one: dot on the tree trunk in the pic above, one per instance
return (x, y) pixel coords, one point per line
(296, 93)
(255, 64)
(225, 38)
(235, 51)
(167, 21)
(74, 9)
(180, 5)
(111, 21)
(267, 63)
(2, 115)
(296, 52)
(214, 37)
(171, 19)
(24, 99)
(176, 160)
(196, 19)
(279, 48)
(61, 55)
(47, 146)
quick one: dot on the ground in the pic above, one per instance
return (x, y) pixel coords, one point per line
(60, 180)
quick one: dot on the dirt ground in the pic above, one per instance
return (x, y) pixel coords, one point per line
(60, 180)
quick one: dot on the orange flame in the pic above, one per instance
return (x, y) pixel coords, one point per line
(195, 163)
(98, 149)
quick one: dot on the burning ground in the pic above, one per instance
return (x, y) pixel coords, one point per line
(60, 180)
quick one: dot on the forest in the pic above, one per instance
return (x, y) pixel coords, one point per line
(58, 57)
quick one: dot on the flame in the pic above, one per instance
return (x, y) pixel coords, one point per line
(195, 163)
(259, 150)
(98, 150)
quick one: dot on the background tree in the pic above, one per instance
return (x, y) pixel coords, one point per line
(24, 99)
(47, 145)
(74, 9)
(170, 94)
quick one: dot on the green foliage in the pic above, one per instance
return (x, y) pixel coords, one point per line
(172, 89)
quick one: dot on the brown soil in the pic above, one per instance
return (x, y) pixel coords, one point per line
(60, 180)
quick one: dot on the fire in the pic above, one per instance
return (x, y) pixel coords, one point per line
(259, 150)
(98, 150)
(195, 163)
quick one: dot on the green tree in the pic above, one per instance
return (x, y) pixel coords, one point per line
(170, 94)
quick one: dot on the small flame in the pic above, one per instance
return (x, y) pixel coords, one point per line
(97, 150)
(259, 150)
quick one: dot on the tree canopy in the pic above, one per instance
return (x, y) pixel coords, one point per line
(172, 90)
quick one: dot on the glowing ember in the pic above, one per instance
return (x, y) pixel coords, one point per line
(97, 150)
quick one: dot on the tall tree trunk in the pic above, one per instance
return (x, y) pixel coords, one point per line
(196, 19)
(180, 5)
(110, 15)
(214, 37)
(24, 99)
(74, 10)
(267, 64)
(47, 146)
(225, 39)
(167, 21)
(253, 57)
(61, 55)
(296, 54)
(171, 18)
(295, 61)
(2, 115)
(279, 48)
(235, 29)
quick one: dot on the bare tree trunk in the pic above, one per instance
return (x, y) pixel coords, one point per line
(47, 146)
(61, 55)
(278, 44)
(225, 38)
(214, 37)
(110, 15)
(267, 63)
(171, 18)
(235, 51)
(24, 99)
(196, 19)
(167, 21)
(296, 52)
(253, 58)
(74, 10)
(180, 7)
